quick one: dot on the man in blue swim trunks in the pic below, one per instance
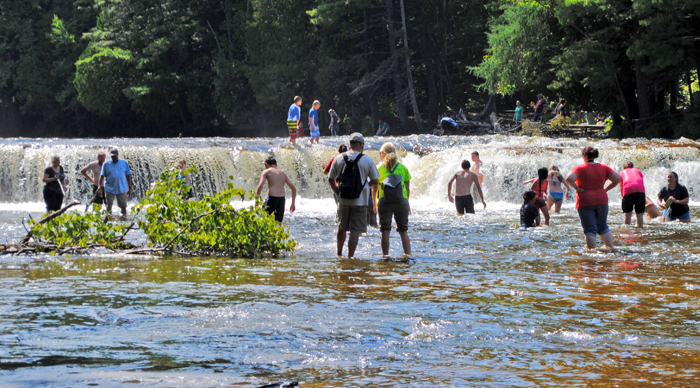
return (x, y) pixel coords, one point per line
(314, 131)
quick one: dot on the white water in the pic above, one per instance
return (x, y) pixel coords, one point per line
(508, 161)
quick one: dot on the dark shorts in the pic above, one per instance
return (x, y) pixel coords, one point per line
(464, 204)
(292, 127)
(398, 210)
(540, 203)
(352, 218)
(97, 196)
(594, 219)
(634, 201)
(275, 205)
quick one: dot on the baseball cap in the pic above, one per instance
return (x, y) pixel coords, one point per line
(114, 152)
(357, 138)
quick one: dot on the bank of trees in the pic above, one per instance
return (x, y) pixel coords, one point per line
(232, 67)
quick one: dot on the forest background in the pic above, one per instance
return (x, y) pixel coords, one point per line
(157, 68)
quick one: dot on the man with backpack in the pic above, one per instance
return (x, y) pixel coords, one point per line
(357, 180)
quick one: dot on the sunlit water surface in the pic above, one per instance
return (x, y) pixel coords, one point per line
(481, 303)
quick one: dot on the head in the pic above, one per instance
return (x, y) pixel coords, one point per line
(672, 179)
(475, 156)
(388, 154)
(517, 103)
(182, 164)
(331, 111)
(114, 153)
(101, 157)
(342, 148)
(562, 101)
(528, 197)
(466, 165)
(589, 153)
(357, 142)
(542, 173)
(297, 100)
(628, 164)
(316, 104)
(270, 162)
(540, 97)
(55, 161)
(554, 168)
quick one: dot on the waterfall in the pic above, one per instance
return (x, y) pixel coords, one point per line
(508, 161)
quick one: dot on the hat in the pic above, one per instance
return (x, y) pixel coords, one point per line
(357, 138)
(114, 152)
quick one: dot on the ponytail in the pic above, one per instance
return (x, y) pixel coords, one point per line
(389, 158)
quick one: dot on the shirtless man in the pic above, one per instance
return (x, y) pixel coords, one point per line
(476, 167)
(96, 167)
(463, 199)
(276, 179)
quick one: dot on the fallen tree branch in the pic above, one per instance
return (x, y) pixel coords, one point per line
(48, 218)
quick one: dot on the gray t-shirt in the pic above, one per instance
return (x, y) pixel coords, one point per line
(367, 170)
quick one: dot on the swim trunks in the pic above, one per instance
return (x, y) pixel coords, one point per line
(464, 204)
(558, 197)
(275, 205)
(540, 203)
(316, 133)
(292, 126)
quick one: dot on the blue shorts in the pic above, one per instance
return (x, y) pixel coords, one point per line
(670, 217)
(558, 197)
(315, 133)
(594, 219)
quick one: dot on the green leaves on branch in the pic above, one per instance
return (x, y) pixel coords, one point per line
(210, 226)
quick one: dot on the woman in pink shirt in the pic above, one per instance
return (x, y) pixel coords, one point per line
(633, 194)
(588, 180)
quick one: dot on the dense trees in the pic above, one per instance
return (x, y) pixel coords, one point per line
(232, 67)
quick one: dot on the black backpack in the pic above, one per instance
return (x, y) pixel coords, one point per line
(393, 186)
(350, 184)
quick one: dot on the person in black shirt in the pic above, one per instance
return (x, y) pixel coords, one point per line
(55, 184)
(676, 196)
(529, 215)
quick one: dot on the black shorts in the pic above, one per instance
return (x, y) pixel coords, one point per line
(464, 204)
(398, 210)
(275, 205)
(97, 198)
(636, 201)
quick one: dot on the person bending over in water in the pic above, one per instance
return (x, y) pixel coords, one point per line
(633, 194)
(651, 209)
(276, 179)
(529, 215)
(463, 199)
(556, 195)
(539, 186)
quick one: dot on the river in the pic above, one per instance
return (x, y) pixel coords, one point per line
(481, 303)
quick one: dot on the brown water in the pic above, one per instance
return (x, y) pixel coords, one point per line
(481, 304)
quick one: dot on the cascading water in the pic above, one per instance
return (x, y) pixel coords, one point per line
(507, 162)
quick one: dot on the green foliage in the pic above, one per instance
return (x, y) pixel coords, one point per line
(560, 122)
(82, 230)
(211, 226)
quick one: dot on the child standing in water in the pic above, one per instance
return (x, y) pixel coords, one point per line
(556, 195)
(529, 215)
(539, 186)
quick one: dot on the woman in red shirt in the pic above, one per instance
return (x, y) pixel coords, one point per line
(588, 180)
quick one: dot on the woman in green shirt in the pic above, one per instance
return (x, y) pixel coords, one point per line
(391, 198)
(518, 111)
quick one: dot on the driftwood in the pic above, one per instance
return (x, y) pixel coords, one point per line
(48, 218)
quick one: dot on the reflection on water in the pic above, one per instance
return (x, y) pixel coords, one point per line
(481, 304)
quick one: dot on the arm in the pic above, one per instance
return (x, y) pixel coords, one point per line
(568, 188)
(101, 182)
(128, 180)
(334, 185)
(289, 183)
(46, 179)
(261, 183)
(571, 180)
(614, 181)
(408, 189)
(84, 171)
(537, 219)
(527, 182)
(312, 124)
(449, 189)
(681, 201)
(374, 185)
(478, 189)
